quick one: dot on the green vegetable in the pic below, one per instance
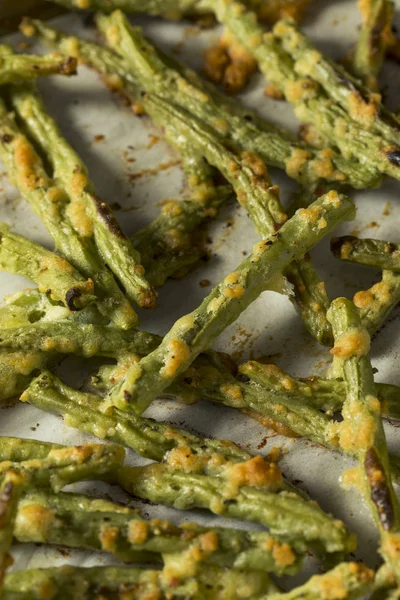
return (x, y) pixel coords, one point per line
(361, 432)
(90, 523)
(118, 583)
(348, 580)
(52, 465)
(169, 243)
(359, 102)
(374, 39)
(373, 253)
(89, 215)
(50, 202)
(196, 332)
(68, 337)
(10, 492)
(17, 68)
(376, 303)
(171, 9)
(282, 512)
(53, 274)
(195, 472)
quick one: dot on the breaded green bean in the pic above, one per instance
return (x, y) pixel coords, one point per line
(359, 102)
(17, 68)
(68, 337)
(196, 332)
(89, 523)
(61, 465)
(283, 513)
(374, 39)
(361, 432)
(89, 215)
(168, 243)
(53, 274)
(370, 252)
(196, 472)
(50, 202)
(119, 583)
(376, 303)
(10, 492)
(348, 580)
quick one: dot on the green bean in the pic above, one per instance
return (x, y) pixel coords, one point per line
(283, 513)
(196, 472)
(361, 105)
(148, 438)
(83, 522)
(17, 68)
(312, 104)
(89, 215)
(118, 583)
(68, 337)
(361, 432)
(62, 465)
(10, 492)
(373, 253)
(54, 275)
(168, 243)
(374, 39)
(194, 333)
(348, 580)
(170, 9)
(49, 201)
(376, 303)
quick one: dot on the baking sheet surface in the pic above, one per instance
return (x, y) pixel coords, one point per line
(270, 328)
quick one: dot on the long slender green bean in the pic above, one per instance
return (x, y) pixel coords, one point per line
(10, 492)
(361, 432)
(370, 252)
(17, 68)
(53, 274)
(88, 214)
(68, 337)
(377, 303)
(361, 105)
(118, 583)
(194, 333)
(83, 522)
(374, 39)
(51, 465)
(50, 202)
(348, 580)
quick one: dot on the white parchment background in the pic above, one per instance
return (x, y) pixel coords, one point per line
(270, 327)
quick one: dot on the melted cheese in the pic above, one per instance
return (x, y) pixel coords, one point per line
(355, 342)
(178, 353)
